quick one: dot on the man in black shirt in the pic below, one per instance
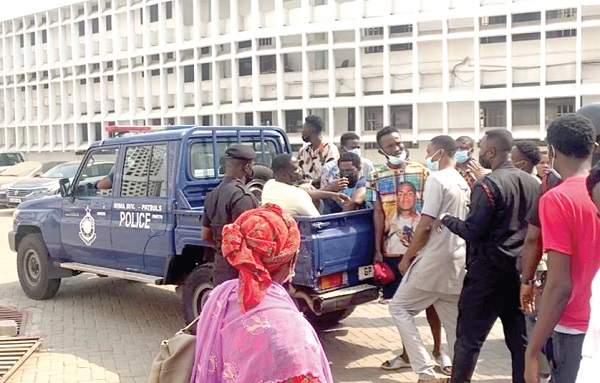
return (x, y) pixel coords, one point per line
(495, 229)
(225, 203)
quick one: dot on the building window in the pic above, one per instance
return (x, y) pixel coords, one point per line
(401, 116)
(245, 66)
(83, 130)
(373, 118)
(82, 82)
(566, 13)
(561, 110)
(95, 26)
(401, 47)
(268, 64)
(188, 73)
(96, 80)
(373, 32)
(205, 50)
(563, 33)
(377, 49)
(492, 20)
(95, 67)
(110, 78)
(170, 71)
(492, 114)
(243, 44)
(526, 36)
(206, 72)
(492, 39)
(526, 17)
(169, 10)
(108, 22)
(109, 65)
(526, 113)
(21, 41)
(32, 37)
(293, 121)
(206, 120)
(401, 29)
(98, 130)
(153, 13)
(82, 28)
(265, 42)
(44, 36)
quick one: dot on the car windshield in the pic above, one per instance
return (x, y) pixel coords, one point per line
(62, 171)
(9, 159)
(21, 169)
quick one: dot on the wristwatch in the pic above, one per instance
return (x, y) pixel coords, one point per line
(526, 281)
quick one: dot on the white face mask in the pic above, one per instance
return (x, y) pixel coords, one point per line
(552, 170)
(397, 160)
(355, 151)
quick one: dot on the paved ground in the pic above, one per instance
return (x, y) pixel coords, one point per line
(108, 330)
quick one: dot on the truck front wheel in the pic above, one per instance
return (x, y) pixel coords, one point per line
(196, 288)
(33, 268)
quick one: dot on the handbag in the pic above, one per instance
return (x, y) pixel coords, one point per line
(175, 361)
(383, 273)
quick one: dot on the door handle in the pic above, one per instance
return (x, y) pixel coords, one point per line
(320, 225)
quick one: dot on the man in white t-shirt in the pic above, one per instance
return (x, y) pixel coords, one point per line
(434, 264)
(283, 192)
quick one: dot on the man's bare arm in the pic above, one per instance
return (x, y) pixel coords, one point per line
(378, 223)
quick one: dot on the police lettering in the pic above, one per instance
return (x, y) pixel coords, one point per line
(134, 220)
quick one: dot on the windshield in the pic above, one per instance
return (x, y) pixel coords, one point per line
(21, 169)
(62, 171)
(9, 159)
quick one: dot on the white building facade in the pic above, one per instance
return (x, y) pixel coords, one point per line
(428, 67)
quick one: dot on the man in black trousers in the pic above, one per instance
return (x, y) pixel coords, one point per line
(495, 229)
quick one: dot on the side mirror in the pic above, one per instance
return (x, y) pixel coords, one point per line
(64, 187)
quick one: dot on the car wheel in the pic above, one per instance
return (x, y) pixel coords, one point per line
(33, 263)
(195, 290)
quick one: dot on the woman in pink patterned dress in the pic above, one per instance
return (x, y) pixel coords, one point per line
(250, 329)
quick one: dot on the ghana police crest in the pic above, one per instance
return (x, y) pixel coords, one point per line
(87, 228)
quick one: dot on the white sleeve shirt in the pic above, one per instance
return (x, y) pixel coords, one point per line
(291, 198)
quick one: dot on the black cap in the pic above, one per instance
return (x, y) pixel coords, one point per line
(241, 152)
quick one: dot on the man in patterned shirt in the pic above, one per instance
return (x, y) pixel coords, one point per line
(465, 146)
(383, 184)
(317, 153)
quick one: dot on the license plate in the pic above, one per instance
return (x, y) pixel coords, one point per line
(365, 272)
(14, 200)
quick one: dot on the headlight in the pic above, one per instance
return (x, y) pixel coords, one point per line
(4, 187)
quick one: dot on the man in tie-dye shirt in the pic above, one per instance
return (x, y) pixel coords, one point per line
(383, 186)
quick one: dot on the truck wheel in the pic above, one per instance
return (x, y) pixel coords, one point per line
(196, 288)
(33, 262)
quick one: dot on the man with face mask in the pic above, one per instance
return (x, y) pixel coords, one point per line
(495, 229)
(436, 259)
(571, 237)
(313, 156)
(226, 202)
(383, 184)
(349, 143)
(525, 155)
(464, 157)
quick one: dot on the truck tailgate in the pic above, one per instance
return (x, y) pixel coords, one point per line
(334, 243)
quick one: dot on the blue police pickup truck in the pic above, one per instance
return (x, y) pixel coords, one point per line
(142, 223)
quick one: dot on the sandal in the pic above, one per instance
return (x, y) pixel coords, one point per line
(395, 363)
(445, 364)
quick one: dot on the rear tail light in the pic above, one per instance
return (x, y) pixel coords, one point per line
(333, 280)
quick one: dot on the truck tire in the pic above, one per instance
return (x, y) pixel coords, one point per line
(195, 290)
(33, 263)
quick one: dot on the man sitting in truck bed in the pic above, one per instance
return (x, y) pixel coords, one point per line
(353, 184)
(283, 192)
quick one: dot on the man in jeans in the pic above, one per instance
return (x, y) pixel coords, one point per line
(571, 237)
(438, 259)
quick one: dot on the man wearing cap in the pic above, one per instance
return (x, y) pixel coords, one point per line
(225, 203)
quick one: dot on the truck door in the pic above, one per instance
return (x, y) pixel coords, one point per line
(139, 217)
(85, 221)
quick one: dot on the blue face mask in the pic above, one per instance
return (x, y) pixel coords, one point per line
(397, 160)
(461, 156)
(434, 166)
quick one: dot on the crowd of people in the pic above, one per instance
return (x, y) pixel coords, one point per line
(512, 235)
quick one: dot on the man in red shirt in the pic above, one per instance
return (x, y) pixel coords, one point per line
(571, 237)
